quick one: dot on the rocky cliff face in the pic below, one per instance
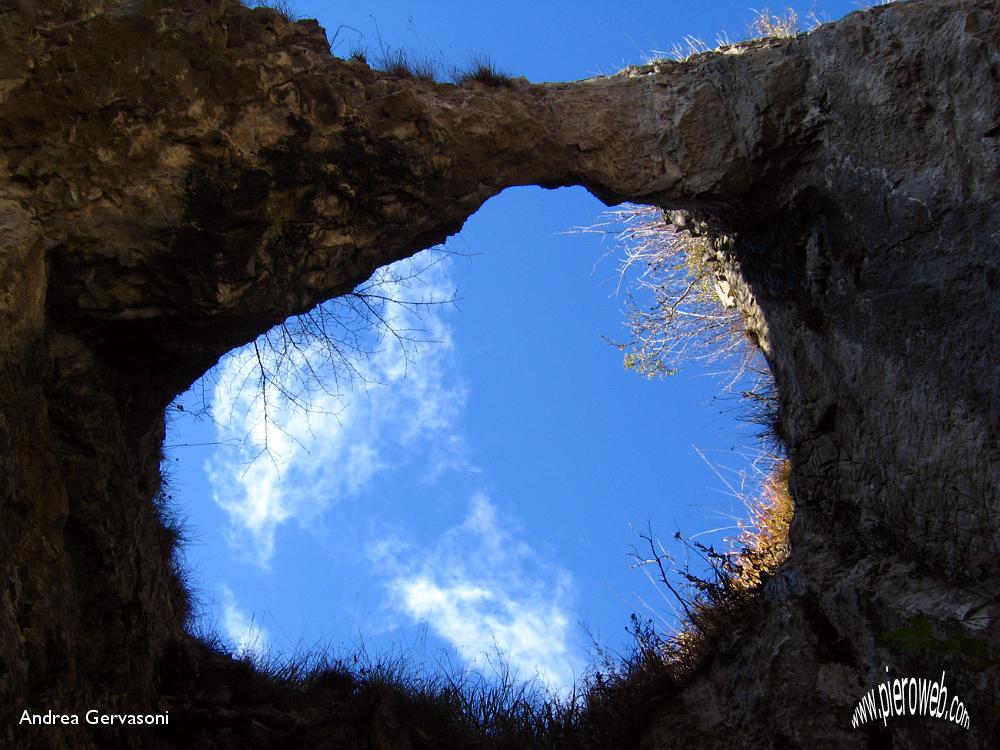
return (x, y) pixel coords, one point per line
(178, 176)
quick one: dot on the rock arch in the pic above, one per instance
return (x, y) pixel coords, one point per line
(183, 174)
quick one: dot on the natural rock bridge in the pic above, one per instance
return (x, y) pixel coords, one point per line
(181, 175)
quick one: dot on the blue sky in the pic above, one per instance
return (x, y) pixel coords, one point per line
(471, 490)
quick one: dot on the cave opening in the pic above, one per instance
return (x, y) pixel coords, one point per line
(464, 473)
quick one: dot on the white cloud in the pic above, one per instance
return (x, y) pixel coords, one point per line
(245, 636)
(483, 590)
(294, 463)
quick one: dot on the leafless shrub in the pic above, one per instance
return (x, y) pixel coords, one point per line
(722, 599)
(305, 364)
(679, 308)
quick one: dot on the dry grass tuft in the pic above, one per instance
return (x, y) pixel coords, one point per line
(765, 25)
(484, 70)
(763, 539)
(769, 25)
(447, 706)
(688, 48)
(284, 9)
(402, 64)
(172, 536)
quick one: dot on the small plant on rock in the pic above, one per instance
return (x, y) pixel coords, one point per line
(283, 8)
(401, 64)
(769, 25)
(483, 70)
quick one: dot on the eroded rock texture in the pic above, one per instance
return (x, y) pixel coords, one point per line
(180, 176)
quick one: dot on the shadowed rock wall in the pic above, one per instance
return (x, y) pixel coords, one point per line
(180, 176)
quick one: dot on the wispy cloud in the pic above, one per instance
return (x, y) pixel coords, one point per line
(484, 590)
(304, 452)
(245, 636)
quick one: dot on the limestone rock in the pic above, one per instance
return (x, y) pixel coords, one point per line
(178, 176)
